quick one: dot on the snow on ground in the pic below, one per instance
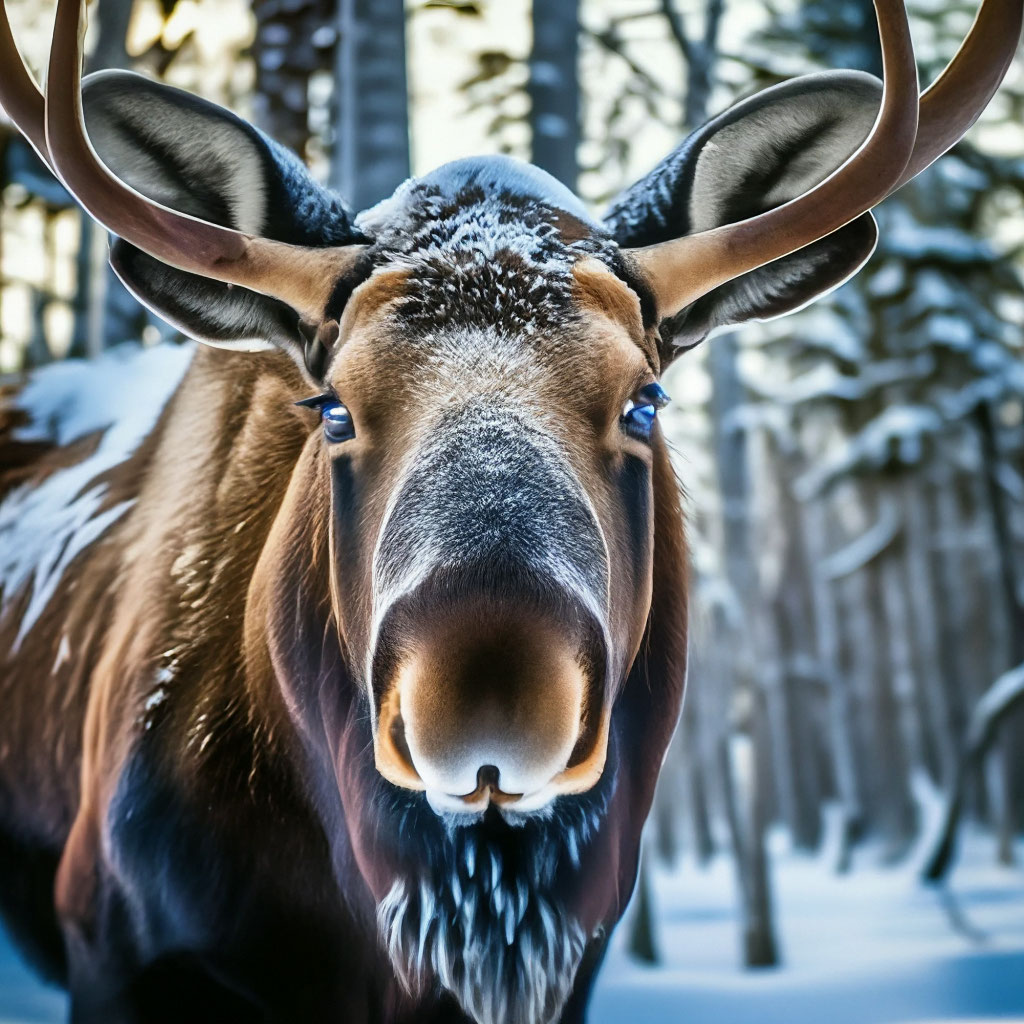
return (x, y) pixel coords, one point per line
(871, 947)
(23, 999)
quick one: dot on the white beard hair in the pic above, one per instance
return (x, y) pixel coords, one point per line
(505, 953)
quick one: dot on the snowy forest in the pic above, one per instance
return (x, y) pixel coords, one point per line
(852, 741)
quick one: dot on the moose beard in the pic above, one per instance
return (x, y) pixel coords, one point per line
(484, 922)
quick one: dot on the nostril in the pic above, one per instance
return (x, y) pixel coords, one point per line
(487, 790)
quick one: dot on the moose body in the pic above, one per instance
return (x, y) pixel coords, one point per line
(207, 876)
(337, 675)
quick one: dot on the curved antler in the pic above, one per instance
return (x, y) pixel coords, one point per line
(956, 99)
(301, 276)
(907, 136)
(19, 94)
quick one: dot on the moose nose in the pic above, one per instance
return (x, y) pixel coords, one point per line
(496, 706)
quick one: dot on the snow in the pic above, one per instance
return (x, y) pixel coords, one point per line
(495, 174)
(865, 548)
(873, 946)
(127, 384)
(1007, 689)
(907, 238)
(43, 528)
(897, 431)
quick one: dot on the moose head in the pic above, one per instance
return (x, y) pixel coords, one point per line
(471, 599)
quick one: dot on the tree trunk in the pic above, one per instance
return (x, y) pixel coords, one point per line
(293, 41)
(696, 777)
(794, 624)
(760, 948)
(924, 612)
(840, 721)
(901, 666)
(897, 818)
(733, 475)
(1006, 646)
(949, 528)
(554, 89)
(1004, 696)
(370, 157)
(643, 944)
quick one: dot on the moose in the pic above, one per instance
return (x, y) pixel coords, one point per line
(341, 650)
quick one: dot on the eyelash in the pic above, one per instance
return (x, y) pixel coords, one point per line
(334, 415)
(638, 415)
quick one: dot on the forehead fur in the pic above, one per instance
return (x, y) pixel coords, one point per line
(489, 242)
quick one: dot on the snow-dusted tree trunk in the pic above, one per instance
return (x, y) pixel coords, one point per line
(554, 89)
(794, 623)
(1005, 618)
(924, 613)
(1000, 700)
(952, 608)
(901, 667)
(748, 817)
(370, 156)
(814, 531)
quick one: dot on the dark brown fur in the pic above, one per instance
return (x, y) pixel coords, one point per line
(212, 855)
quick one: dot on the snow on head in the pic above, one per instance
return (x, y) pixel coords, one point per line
(496, 176)
(490, 242)
(44, 527)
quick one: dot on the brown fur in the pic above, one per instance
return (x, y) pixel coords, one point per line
(226, 576)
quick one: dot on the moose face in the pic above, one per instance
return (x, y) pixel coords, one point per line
(472, 586)
(492, 525)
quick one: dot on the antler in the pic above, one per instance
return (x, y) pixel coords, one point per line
(301, 276)
(897, 148)
(19, 94)
(956, 99)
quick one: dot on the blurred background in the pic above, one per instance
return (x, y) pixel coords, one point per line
(839, 827)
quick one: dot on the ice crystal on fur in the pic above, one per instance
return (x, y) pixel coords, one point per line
(504, 950)
(490, 240)
(482, 913)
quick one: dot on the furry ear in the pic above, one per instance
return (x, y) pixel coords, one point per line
(200, 159)
(757, 155)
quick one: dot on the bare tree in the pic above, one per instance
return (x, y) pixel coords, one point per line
(293, 41)
(370, 156)
(554, 88)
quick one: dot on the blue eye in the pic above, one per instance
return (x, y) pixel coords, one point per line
(338, 424)
(640, 412)
(337, 421)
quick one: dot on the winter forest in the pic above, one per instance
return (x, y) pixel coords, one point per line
(840, 819)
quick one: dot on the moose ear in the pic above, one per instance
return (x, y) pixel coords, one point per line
(757, 155)
(202, 160)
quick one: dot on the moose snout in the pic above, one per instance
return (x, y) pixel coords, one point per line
(488, 702)
(488, 664)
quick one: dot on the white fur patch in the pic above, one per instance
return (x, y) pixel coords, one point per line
(44, 527)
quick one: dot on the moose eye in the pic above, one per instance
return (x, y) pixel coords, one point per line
(640, 412)
(336, 419)
(337, 422)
